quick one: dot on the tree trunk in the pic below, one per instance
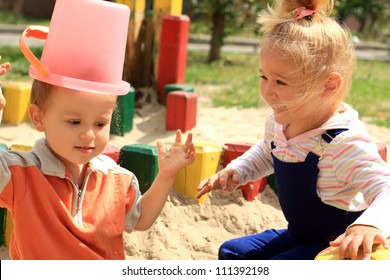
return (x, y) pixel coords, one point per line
(36, 8)
(139, 64)
(216, 36)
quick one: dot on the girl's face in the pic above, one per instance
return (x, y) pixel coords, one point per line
(77, 124)
(281, 85)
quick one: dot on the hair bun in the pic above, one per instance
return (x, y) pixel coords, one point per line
(286, 7)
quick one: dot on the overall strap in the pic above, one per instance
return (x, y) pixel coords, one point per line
(330, 134)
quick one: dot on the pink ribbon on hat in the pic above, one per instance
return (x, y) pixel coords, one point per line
(303, 12)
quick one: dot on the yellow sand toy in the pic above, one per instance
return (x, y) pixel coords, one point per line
(332, 253)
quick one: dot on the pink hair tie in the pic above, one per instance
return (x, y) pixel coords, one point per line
(302, 12)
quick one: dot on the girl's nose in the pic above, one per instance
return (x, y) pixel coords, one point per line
(266, 90)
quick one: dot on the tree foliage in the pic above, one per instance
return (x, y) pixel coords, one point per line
(230, 16)
(227, 17)
(372, 15)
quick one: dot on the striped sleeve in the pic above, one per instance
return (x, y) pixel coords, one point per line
(364, 179)
(257, 161)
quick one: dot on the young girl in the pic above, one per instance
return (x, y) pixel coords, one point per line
(332, 185)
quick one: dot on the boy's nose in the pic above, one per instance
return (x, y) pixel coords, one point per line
(87, 135)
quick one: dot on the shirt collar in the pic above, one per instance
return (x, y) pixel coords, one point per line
(346, 118)
(52, 166)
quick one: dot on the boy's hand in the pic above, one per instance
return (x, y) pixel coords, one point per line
(179, 156)
(169, 164)
(359, 236)
(4, 67)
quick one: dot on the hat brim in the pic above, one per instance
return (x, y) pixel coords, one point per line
(120, 88)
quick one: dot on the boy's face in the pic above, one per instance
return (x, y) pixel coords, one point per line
(76, 124)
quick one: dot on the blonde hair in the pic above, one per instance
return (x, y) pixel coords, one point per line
(317, 44)
(40, 92)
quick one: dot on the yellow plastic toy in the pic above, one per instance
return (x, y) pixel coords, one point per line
(17, 95)
(206, 163)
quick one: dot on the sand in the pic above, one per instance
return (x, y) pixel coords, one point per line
(187, 230)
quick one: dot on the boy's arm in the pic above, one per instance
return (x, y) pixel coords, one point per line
(153, 201)
(3, 70)
(2, 101)
(170, 163)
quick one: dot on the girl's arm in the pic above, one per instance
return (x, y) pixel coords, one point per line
(253, 164)
(250, 166)
(361, 170)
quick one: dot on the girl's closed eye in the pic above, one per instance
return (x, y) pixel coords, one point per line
(263, 77)
(281, 83)
(278, 82)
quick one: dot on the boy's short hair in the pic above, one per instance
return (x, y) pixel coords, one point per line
(40, 92)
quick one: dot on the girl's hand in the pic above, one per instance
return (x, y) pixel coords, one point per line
(179, 156)
(357, 236)
(226, 179)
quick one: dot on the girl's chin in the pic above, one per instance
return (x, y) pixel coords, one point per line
(281, 118)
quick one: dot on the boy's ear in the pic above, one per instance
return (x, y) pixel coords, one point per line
(36, 116)
(333, 82)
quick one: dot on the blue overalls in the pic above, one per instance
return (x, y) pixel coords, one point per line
(311, 223)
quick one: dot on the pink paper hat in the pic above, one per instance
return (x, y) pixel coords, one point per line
(84, 48)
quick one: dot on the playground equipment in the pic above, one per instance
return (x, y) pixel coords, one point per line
(173, 52)
(17, 95)
(181, 110)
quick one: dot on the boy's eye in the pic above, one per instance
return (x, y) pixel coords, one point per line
(100, 124)
(74, 122)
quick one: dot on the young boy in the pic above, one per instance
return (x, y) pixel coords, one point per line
(66, 199)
